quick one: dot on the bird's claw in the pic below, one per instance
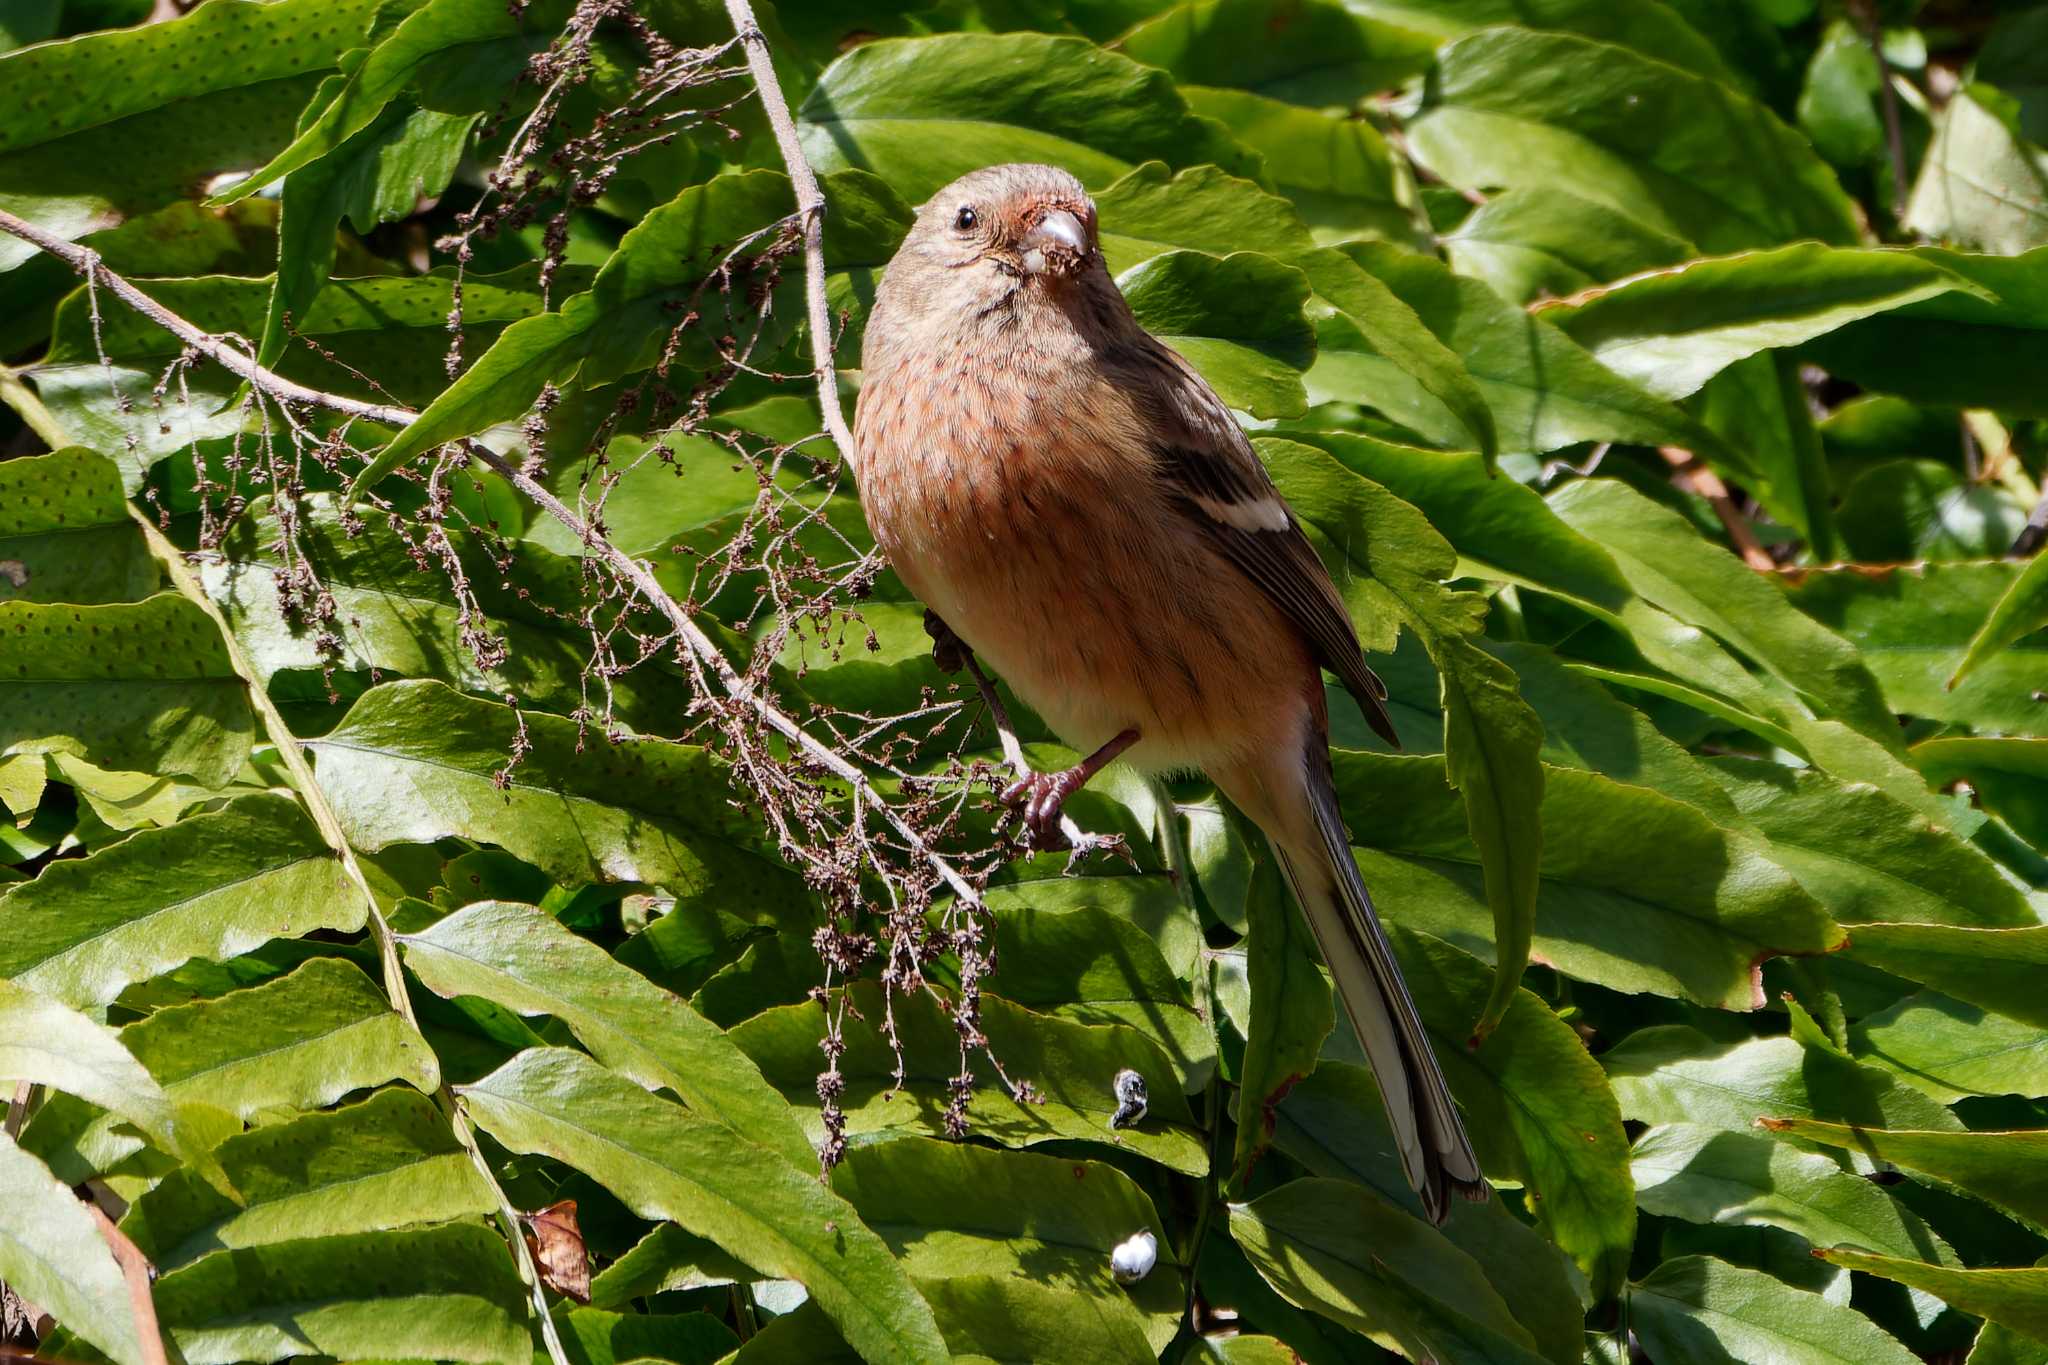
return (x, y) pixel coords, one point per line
(949, 651)
(1039, 799)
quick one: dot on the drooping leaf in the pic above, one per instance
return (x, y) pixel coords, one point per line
(2003, 1169)
(664, 1163)
(65, 528)
(1339, 1250)
(441, 1293)
(388, 1162)
(524, 959)
(1695, 1308)
(2015, 1298)
(413, 762)
(139, 687)
(1511, 108)
(52, 1254)
(212, 887)
(1072, 1069)
(1706, 1175)
(921, 112)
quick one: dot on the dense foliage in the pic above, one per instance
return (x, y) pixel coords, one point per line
(406, 910)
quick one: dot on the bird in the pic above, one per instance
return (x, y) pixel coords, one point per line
(1078, 508)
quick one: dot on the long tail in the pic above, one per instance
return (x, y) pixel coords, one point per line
(1435, 1151)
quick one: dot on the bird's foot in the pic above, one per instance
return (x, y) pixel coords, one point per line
(949, 651)
(1039, 798)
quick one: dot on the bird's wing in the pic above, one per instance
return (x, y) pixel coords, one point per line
(1214, 478)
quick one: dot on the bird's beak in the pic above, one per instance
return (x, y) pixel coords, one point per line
(1056, 244)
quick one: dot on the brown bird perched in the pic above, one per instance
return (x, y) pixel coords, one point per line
(1078, 506)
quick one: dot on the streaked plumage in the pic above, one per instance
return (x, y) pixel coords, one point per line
(1075, 502)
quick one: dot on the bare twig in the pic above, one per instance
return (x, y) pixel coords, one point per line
(1694, 475)
(135, 1269)
(1888, 100)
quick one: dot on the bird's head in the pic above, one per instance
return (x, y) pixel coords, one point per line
(994, 239)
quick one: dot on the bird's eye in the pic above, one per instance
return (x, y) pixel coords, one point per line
(966, 219)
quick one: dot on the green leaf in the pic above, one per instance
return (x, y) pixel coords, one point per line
(1982, 184)
(921, 112)
(1672, 1074)
(1332, 1123)
(524, 959)
(2015, 1298)
(665, 1259)
(1760, 409)
(1491, 737)
(1153, 210)
(1341, 174)
(1317, 53)
(1675, 569)
(137, 687)
(2022, 611)
(1704, 1175)
(377, 176)
(664, 1163)
(1545, 391)
(2005, 1170)
(1912, 625)
(1291, 1012)
(949, 1210)
(437, 32)
(1956, 349)
(2009, 777)
(1236, 318)
(1652, 29)
(211, 887)
(1999, 969)
(985, 1319)
(303, 1040)
(1696, 922)
(65, 528)
(1951, 1049)
(107, 126)
(52, 1254)
(1071, 1067)
(1866, 856)
(1339, 1250)
(1695, 1308)
(1905, 510)
(413, 762)
(439, 1293)
(595, 1337)
(1095, 966)
(391, 620)
(617, 325)
(388, 1162)
(1538, 240)
(1673, 330)
(1512, 108)
(48, 1043)
(1394, 332)
(1998, 1345)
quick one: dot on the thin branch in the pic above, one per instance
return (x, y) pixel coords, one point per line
(135, 1269)
(1692, 474)
(1888, 99)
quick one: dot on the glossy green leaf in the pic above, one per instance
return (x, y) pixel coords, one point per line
(1950, 1048)
(2015, 1298)
(1906, 510)
(1999, 1345)
(1491, 737)
(949, 1210)
(1339, 1250)
(388, 1162)
(1653, 29)
(591, 1336)
(1705, 1175)
(1071, 1069)
(665, 1259)
(1292, 1011)
(921, 112)
(1672, 330)
(1982, 183)
(985, 1319)
(1511, 108)
(1539, 240)
(2004, 1169)
(663, 1163)
(1999, 969)
(1341, 174)
(211, 887)
(1695, 1308)
(52, 1254)
(1760, 409)
(2009, 776)
(615, 326)
(440, 1293)
(139, 687)
(1236, 318)
(106, 126)
(1912, 626)
(1315, 54)
(525, 960)
(65, 528)
(2019, 613)
(413, 762)
(1153, 210)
